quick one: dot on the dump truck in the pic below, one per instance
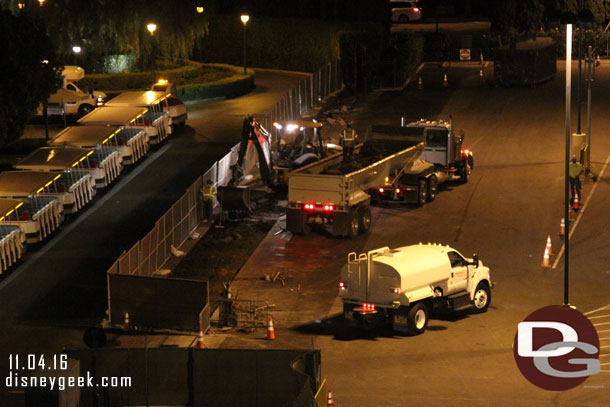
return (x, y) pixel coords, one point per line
(334, 194)
(402, 286)
(443, 159)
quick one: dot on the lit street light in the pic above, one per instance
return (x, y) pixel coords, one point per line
(244, 19)
(151, 27)
(76, 51)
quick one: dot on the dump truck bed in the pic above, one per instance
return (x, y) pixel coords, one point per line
(344, 184)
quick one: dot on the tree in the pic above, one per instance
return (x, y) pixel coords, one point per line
(29, 72)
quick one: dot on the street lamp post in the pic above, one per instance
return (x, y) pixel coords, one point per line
(244, 19)
(151, 27)
(566, 255)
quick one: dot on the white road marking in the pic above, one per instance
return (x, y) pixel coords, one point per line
(582, 212)
(601, 316)
(602, 323)
(598, 309)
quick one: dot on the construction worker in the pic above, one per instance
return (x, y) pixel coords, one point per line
(348, 142)
(209, 195)
(575, 170)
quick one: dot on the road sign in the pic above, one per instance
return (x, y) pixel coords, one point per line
(464, 54)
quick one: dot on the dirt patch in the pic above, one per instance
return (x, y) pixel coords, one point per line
(221, 253)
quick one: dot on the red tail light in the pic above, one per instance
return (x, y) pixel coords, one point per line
(368, 307)
(466, 152)
(395, 290)
(329, 208)
(416, 9)
(381, 190)
(309, 207)
(398, 190)
(342, 285)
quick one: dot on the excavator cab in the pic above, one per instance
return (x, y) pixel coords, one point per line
(297, 143)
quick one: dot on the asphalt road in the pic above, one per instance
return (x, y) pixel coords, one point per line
(512, 202)
(504, 214)
(61, 286)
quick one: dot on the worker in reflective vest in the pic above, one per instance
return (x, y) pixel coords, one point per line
(575, 170)
(348, 142)
(209, 194)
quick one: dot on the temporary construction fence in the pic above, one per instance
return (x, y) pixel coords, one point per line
(199, 377)
(147, 256)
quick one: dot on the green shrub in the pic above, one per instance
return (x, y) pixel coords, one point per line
(142, 80)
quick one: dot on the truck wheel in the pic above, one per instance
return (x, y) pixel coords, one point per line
(465, 176)
(354, 224)
(364, 220)
(84, 109)
(482, 297)
(422, 193)
(432, 185)
(417, 319)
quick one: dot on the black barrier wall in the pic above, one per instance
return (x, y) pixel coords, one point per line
(158, 302)
(202, 377)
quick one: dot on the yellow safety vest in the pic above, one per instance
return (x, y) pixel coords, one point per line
(575, 169)
(349, 134)
(209, 192)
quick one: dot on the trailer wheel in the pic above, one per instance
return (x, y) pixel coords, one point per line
(354, 224)
(482, 297)
(417, 319)
(364, 219)
(422, 193)
(465, 176)
(432, 185)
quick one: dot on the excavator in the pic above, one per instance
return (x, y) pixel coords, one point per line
(296, 143)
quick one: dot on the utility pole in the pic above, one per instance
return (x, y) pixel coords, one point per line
(590, 77)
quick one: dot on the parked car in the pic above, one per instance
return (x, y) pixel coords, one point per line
(405, 11)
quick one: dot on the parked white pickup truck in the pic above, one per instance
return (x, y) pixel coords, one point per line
(401, 286)
(70, 99)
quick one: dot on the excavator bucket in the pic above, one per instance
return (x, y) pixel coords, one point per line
(235, 199)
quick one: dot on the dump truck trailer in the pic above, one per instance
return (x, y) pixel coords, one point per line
(334, 193)
(401, 286)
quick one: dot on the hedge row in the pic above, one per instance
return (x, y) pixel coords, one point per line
(236, 85)
(142, 80)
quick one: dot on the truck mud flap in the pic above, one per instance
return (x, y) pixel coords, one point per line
(296, 221)
(235, 199)
(340, 225)
(400, 319)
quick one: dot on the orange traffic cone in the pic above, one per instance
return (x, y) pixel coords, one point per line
(597, 61)
(126, 325)
(270, 330)
(445, 81)
(329, 402)
(570, 214)
(546, 262)
(548, 245)
(420, 84)
(576, 202)
(562, 227)
(200, 344)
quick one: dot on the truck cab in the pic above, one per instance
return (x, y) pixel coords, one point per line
(403, 285)
(443, 148)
